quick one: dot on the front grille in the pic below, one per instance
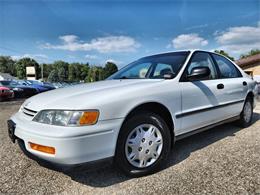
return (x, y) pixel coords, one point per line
(29, 112)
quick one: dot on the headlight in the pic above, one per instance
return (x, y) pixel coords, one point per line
(67, 118)
(17, 89)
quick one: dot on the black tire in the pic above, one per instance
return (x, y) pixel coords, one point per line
(243, 122)
(120, 159)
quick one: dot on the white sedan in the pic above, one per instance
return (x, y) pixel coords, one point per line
(137, 114)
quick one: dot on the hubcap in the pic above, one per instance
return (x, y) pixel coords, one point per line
(143, 145)
(247, 112)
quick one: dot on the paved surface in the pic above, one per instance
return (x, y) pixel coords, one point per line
(223, 160)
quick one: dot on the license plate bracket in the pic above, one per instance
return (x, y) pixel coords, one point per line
(11, 129)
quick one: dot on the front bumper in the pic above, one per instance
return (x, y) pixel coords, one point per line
(73, 145)
(7, 95)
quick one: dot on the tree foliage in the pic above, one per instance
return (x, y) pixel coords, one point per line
(222, 52)
(61, 74)
(58, 71)
(7, 65)
(110, 68)
(251, 53)
(53, 76)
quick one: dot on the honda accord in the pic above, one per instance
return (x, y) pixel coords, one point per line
(138, 113)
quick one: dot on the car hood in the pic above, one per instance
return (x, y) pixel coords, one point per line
(83, 96)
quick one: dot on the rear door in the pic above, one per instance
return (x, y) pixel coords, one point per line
(235, 86)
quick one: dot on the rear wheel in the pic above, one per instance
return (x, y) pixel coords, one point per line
(246, 114)
(143, 144)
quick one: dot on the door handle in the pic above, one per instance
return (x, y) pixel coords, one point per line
(244, 83)
(220, 86)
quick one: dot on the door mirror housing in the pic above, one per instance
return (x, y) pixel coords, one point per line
(198, 73)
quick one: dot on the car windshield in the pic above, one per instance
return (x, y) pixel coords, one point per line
(34, 82)
(21, 82)
(153, 67)
(5, 83)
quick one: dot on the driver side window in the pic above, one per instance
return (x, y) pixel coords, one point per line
(201, 59)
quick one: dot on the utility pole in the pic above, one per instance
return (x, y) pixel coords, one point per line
(42, 71)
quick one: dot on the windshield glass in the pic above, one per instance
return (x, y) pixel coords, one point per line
(5, 83)
(34, 82)
(153, 67)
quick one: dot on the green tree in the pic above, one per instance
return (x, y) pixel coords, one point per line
(47, 68)
(61, 74)
(84, 71)
(72, 72)
(61, 64)
(53, 77)
(7, 65)
(251, 53)
(77, 71)
(109, 69)
(101, 73)
(222, 52)
(91, 74)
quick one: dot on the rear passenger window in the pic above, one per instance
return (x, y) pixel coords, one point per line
(227, 69)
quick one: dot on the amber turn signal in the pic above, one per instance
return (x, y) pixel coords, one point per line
(89, 118)
(41, 148)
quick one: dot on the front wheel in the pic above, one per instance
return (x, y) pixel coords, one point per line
(143, 144)
(246, 114)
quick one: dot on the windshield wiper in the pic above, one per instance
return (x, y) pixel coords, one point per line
(123, 77)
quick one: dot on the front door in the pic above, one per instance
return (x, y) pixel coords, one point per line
(201, 98)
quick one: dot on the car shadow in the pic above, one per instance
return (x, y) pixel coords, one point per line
(104, 174)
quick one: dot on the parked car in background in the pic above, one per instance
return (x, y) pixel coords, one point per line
(137, 114)
(39, 88)
(20, 91)
(57, 85)
(60, 85)
(47, 86)
(257, 79)
(6, 93)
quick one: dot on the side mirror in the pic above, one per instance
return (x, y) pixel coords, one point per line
(198, 73)
(168, 75)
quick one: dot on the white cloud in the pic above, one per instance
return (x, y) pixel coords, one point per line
(189, 41)
(91, 57)
(101, 44)
(34, 56)
(238, 40)
(68, 38)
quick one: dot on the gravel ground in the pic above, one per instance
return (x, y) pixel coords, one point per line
(223, 160)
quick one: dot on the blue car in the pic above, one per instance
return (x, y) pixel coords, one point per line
(20, 90)
(39, 88)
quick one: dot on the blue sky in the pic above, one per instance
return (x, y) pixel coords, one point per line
(122, 31)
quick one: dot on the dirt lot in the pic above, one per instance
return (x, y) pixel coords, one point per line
(223, 160)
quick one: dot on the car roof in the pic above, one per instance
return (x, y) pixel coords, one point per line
(191, 51)
(188, 50)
